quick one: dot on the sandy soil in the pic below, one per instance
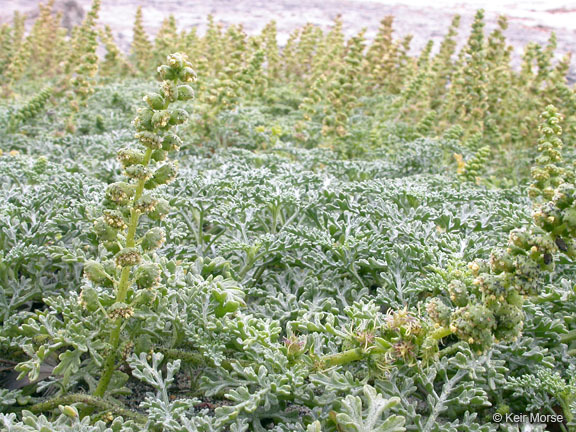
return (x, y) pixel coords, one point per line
(529, 21)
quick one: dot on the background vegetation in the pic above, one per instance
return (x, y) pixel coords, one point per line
(332, 235)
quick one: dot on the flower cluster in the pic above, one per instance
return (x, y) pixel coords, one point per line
(486, 298)
(146, 168)
(31, 109)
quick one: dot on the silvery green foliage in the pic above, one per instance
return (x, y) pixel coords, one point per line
(40, 423)
(547, 388)
(150, 374)
(322, 246)
(267, 387)
(12, 397)
(371, 415)
(182, 313)
(45, 216)
(523, 427)
(455, 387)
(370, 232)
(161, 411)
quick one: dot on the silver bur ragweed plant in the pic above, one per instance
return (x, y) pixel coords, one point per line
(82, 64)
(128, 271)
(141, 48)
(30, 109)
(486, 299)
(145, 170)
(483, 303)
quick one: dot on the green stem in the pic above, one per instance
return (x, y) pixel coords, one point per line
(258, 273)
(247, 267)
(193, 358)
(568, 416)
(356, 354)
(114, 341)
(200, 235)
(441, 333)
(342, 358)
(451, 349)
(134, 217)
(93, 401)
(114, 338)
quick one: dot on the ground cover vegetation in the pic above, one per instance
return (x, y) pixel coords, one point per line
(330, 235)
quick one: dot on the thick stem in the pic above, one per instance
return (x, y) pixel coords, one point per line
(124, 284)
(442, 332)
(356, 354)
(568, 416)
(93, 401)
(247, 267)
(451, 349)
(193, 358)
(114, 337)
(342, 358)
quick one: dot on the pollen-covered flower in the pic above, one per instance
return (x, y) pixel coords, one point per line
(439, 312)
(153, 239)
(146, 204)
(185, 92)
(138, 172)
(163, 175)
(404, 351)
(129, 156)
(187, 74)
(474, 324)
(149, 139)
(178, 116)
(104, 231)
(94, 271)
(294, 345)
(115, 219)
(120, 311)
(161, 119)
(147, 275)
(128, 257)
(171, 142)
(162, 209)
(155, 101)
(143, 121)
(402, 320)
(120, 192)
